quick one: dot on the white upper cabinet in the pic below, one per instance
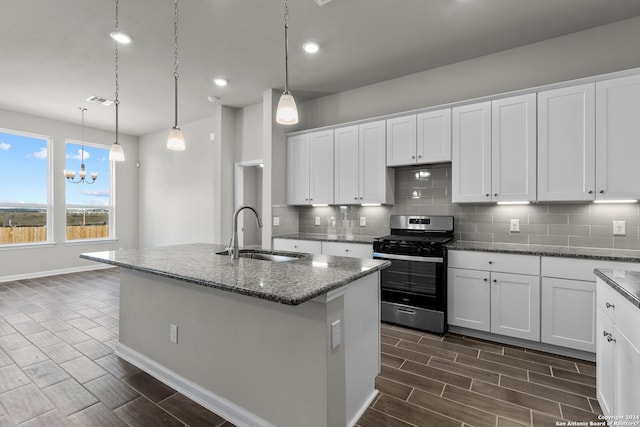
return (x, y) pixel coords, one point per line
(471, 153)
(310, 168)
(347, 173)
(419, 139)
(618, 138)
(433, 143)
(401, 141)
(566, 143)
(361, 175)
(513, 148)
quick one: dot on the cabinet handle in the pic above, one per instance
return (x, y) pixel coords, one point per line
(346, 250)
(355, 198)
(590, 191)
(295, 246)
(485, 279)
(490, 262)
(495, 280)
(495, 194)
(608, 305)
(413, 157)
(419, 156)
(610, 338)
(601, 191)
(487, 195)
(360, 198)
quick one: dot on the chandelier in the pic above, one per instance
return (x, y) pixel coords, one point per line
(82, 175)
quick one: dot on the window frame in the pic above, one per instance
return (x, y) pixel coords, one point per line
(112, 197)
(50, 241)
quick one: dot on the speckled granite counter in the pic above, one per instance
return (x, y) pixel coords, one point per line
(620, 255)
(341, 238)
(626, 283)
(291, 282)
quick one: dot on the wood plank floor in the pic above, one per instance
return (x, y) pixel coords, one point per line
(429, 380)
(58, 368)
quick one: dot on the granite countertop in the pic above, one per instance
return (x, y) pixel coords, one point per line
(291, 282)
(626, 283)
(341, 238)
(620, 255)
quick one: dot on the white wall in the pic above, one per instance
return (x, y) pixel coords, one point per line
(249, 133)
(39, 261)
(187, 196)
(595, 51)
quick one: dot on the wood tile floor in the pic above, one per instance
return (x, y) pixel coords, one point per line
(58, 368)
(429, 380)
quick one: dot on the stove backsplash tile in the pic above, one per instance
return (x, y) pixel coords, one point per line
(426, 190)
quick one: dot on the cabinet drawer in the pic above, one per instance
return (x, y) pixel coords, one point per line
(580, 269)
(624, 315)
(292, 245)
(352, 250)
(489, 261)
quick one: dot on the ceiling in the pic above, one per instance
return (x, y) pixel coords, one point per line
(55, 54)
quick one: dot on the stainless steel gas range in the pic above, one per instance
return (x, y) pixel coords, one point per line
(414, 287)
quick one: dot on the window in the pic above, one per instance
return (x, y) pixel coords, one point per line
(89, 207)
(25, 191)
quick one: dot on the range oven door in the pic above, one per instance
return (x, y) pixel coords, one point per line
(414, 281)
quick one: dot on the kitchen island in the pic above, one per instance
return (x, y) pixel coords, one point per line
(261, 343)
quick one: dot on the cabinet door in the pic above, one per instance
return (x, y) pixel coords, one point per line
(321, 167)
(401, 141)
(515, 305)
(568, 313)
(604, 362)
(434, 136)
(626, 372)
(471, 153)
(298, 170)
(513, 148)
(346, 165)
(617, 132)
(469, 299)
(351, 250)
(375, 183)
(566, 143)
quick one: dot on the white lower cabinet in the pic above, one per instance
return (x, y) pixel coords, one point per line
(351, 250)
(567, 313)
(617, 354)
(495, 299)
(294, 245)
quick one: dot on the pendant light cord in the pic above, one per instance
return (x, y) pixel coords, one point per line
(286, 46)
(175, 67)
(82, 127)
(117, 102)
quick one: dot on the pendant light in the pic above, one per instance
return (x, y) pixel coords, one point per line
(175, 140)
(116, 152)
(287, 112)
(82, 175)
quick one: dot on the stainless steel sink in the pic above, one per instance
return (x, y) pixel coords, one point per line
(265, 255)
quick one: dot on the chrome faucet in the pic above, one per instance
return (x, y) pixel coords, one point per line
(234, 251)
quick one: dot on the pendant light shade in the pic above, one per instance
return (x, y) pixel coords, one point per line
(116, 153)
(287, 112)
(175, 139)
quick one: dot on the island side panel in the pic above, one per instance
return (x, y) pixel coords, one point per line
(270, 359)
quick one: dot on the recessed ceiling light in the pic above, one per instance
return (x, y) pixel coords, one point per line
(220, 81)
(213, 99)
(311, 47)
(121, 37)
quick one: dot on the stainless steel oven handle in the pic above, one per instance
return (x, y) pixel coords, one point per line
(378, 255)
(405, 311)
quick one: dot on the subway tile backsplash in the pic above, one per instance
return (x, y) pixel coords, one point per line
(426, 190)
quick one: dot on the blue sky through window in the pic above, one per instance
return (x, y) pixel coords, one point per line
(23, 169)
(95, 160)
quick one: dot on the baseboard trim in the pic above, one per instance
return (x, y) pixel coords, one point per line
(223, 407)
(549, 348)
(363, 408)
(37, 274)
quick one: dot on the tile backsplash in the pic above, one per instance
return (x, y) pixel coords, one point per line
(426, 190)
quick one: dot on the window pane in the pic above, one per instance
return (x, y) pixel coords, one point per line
(23, 169)
(87, 223)
(22, 225)
(88, 203)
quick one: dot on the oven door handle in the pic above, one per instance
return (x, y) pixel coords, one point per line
(378, 255)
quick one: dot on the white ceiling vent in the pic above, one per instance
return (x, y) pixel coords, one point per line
(100, 100)
(322, 2)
